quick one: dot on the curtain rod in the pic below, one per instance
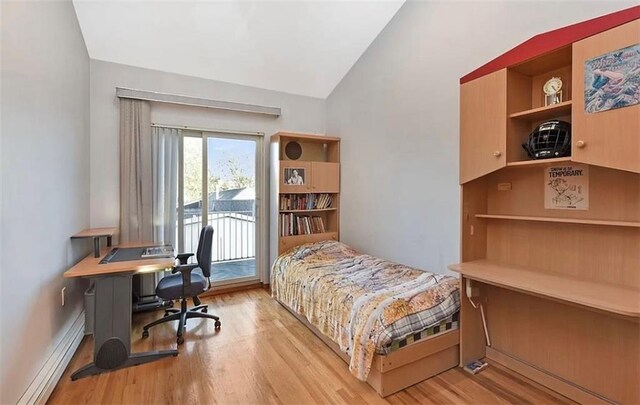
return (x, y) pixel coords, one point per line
(123, 92)
(217, 131)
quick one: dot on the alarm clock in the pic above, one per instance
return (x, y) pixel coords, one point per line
(553, 91)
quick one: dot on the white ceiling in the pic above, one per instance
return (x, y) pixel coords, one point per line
(300, 47)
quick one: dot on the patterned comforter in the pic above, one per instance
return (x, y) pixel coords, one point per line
(359, 301)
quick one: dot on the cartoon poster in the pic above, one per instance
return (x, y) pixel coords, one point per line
(567, 187)
(612, 80)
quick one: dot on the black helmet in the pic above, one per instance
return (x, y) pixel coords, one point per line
(550, 139)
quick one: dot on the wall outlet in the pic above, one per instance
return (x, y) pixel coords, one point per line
(64, 289)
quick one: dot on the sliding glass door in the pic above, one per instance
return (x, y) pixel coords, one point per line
(220, 176)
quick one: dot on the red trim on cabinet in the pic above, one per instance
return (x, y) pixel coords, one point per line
(552, 40)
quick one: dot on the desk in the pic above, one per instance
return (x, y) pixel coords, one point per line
(112, 332)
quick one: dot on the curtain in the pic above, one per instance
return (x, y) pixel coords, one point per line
(135, 171)
(164, 174)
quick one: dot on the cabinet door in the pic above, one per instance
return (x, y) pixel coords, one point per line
(483, 125)
(325, 177)
(295, 177)
(607, 138)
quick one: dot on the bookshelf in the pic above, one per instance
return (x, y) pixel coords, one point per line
(305, 190)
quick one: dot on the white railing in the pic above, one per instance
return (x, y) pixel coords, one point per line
(234, 234)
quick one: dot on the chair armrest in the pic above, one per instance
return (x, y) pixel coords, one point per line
(183, 257)
(186, 270)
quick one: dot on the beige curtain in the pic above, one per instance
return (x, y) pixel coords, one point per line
(136, 217)
(164, 145)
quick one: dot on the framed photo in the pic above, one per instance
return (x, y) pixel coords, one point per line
(294, 176)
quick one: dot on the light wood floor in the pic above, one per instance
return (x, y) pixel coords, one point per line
(263, 355)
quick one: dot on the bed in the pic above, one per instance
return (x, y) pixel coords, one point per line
(394, 325)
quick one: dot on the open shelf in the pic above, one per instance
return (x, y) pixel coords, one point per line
(539, 162)
(315, 210)
(631, 224)
(543, 113)
(597, 295)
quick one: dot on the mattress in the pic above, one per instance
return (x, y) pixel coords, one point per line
(445, 325)
(361, 302)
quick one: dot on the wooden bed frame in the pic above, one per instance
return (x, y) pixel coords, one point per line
(404, 367)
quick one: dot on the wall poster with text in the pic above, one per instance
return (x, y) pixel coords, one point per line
(612, 80)
(566, 187)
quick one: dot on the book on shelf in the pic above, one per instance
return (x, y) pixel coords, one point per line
(310, 201)
(292, 224)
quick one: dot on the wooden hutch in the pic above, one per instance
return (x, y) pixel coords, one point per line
(559, 288)
(304, 208)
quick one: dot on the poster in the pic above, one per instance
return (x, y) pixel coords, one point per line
(567, 187)
(612, 80)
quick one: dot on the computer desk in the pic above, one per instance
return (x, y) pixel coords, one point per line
(112, 316)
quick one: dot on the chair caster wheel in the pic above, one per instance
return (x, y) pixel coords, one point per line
(205, 310)
(145, 334)
(217, 324)
(180, 340)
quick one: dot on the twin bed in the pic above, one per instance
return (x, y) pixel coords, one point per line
(394, 325)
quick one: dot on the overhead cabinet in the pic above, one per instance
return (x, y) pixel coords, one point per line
(498, 111)
(483, 125)
(610, 138)
(316, 177)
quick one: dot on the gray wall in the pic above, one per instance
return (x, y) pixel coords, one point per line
(44, 183)
(397, 113)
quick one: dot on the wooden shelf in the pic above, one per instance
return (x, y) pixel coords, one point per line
(631, 224)
(328, 235)
(539, 162)
(95, 233)
(543, 113)
(604, 297)
(311, 211)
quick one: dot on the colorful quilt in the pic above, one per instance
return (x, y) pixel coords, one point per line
(361, 302)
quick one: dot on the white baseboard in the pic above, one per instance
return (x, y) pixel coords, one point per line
(45, 381)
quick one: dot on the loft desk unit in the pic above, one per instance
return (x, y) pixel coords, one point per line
(96, 234)
(112, 331)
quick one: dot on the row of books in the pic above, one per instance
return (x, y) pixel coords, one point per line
(291, 224)
(305, 201)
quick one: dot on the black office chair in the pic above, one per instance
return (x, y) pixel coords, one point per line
(188, 284)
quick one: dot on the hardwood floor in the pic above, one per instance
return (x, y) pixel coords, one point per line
(263, 355)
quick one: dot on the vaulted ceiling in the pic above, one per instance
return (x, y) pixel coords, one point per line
(299, 47)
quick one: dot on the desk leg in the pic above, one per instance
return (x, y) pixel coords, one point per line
(112, 330)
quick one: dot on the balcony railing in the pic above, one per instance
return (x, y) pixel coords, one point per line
(234, 234)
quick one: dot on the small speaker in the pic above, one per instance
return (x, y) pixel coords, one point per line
(111, 354)
(293, 150)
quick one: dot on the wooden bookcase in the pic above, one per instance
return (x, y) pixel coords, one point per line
(316, 158)
(560, 289)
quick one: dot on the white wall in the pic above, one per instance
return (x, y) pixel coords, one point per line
(397, 113)
(45, 183)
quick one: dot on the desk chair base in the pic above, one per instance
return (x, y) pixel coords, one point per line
(181, 315)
